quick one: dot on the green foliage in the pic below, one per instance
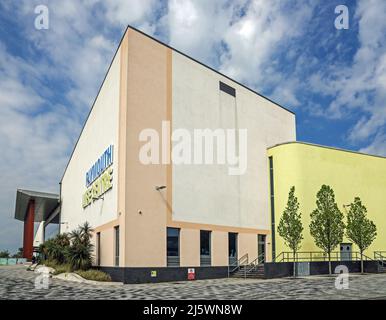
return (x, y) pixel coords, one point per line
(327, 226)
(4, 254)
(360, 229)
(79, 254)
(95, 275)
(62, 268)
(56, 248)
(18, 254)
(290, 226)
(59, 268)
(74, 249)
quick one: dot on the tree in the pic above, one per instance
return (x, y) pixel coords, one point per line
(360, 230)
(18, 254)
(290, 226)
(327, 226)
(4, 254)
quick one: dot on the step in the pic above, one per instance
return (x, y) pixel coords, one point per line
(248, 276)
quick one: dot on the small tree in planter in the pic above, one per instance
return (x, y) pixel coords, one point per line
(290, 226)
(327, 226)
(360, 230)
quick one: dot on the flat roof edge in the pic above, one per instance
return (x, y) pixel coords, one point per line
(210, 68)
(326, 147)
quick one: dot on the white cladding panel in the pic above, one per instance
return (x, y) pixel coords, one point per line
(100, 131)
(207, 193)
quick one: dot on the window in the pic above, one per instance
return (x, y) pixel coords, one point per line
(227, 89)
(232, 246)
(98, 248)
(173, 246)
(205, 257)
(116, 232)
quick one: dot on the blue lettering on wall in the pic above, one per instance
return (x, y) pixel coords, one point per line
(104, 161)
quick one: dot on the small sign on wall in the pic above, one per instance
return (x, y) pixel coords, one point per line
(191, 274)
(153, 273)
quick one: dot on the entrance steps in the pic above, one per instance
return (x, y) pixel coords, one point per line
(247, 272)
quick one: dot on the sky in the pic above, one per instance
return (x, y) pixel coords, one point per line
(288, 50)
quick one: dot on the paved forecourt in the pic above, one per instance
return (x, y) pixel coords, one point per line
(17, 283)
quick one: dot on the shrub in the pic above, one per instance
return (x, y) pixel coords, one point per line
(73, 250)
(62, 268)
(55, 249)
(79, 254)
(79, 257)
(95, 275)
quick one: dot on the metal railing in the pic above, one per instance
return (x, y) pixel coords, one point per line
(232, 267)
(313, 256)
(258, 261)
(380, 256)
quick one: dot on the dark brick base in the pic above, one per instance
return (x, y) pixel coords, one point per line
(143, 275)
(285, 269)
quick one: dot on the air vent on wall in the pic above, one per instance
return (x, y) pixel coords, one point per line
(228, 89)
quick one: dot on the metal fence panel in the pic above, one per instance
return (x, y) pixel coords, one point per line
(303, 269)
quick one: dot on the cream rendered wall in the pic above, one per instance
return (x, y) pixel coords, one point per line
(106, 253)
(100, 131)
(39, 235)
(206, 193)
(247, 243)
(189, 247)
(219, 248)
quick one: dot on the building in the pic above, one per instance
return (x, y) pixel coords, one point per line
(350, 174)
(155, 220)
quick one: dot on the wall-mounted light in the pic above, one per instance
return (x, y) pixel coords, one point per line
(97, 198)
(159, 188)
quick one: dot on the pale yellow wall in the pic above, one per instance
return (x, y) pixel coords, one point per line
(307, 167)
(219, 248)
(189, 247)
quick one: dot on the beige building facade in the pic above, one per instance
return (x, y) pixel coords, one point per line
(154, 221)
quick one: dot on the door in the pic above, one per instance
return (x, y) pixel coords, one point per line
(261, 247)
(345, 251)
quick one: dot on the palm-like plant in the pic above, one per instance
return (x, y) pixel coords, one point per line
(79, 254)
(55, 249)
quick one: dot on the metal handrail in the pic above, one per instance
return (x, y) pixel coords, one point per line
(378, 255)
(310, 256)
(237, 264)
(256, 262)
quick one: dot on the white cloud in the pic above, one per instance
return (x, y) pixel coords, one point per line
(45, 96)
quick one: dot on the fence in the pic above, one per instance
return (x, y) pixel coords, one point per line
(12, 261)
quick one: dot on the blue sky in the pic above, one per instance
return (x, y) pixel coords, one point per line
(290, 51)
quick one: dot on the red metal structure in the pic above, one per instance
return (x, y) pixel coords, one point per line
(28, 236)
